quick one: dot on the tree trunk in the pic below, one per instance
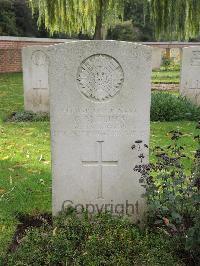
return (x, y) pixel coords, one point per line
(168, 53)
(99, 23)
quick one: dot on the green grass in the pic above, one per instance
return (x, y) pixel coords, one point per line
(168, 76)
(25, 174)
(11, 93)
(160, 137)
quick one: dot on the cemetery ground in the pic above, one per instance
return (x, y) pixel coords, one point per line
(25, 163)
(167, 74)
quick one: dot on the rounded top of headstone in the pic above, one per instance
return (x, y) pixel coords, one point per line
(100, 77)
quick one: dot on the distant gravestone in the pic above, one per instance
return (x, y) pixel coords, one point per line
(156, 58)
(35, 77)
(100, 106)
(190, 74)
(175, 54)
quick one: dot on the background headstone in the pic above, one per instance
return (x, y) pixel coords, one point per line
(190, 74)
(100, 105)
(175, 54)
(156, 57)
(35, 79)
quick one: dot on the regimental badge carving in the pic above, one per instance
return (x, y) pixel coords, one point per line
(39, 58)
(100, 77)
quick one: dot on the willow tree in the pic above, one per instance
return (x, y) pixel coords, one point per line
(176, 19)
(74, 16)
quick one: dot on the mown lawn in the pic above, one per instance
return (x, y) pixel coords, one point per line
(25, 174)
(166, 77)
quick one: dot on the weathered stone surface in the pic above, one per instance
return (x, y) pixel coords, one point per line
(35, 77)
(190, 74)
(100, 106)
(156, 57)
(176, 54)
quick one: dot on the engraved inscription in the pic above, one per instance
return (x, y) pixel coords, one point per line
(195, 85)
(94, 120)
(195, 60)
(39, 58)
(100, 77)
(100, 121)
(100, 164)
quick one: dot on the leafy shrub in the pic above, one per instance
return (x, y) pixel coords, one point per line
(124, 31)
(169, 107)
(101, 240)
(166, 62)
(193, 238)
(27, 117)
(169, 65)
(173, 197)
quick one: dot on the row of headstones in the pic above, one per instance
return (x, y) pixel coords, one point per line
(100, 95)
(190, 69)
(159, 54)
(35, 73)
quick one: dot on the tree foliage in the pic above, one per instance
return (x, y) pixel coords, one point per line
(172, 19)
(124, 31)
(7, 18)
(16, 19)
(26, 24)
(73, 16)
(176, 19)
(139, 12)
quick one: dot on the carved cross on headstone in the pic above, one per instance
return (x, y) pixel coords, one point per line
(39, 87)
(100, 164)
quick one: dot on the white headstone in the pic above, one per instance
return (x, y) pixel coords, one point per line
(100, 105)
(156, 58)
(35, 77)
(190, 74)
(175, 54)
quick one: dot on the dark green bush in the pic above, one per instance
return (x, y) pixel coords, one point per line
(169, 107)
(173, 194)
(169, 65)
(102, 240)
(166, 62)
(193, 238)
(124, 31)
(27, 117)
